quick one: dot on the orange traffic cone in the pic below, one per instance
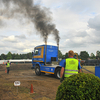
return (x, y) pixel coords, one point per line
(5, 71)
(31, 90)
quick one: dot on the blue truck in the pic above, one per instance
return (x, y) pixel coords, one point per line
(43, 59)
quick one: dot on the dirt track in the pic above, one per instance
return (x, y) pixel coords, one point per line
(44, 86)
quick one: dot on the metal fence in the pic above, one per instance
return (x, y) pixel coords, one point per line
(92, 62)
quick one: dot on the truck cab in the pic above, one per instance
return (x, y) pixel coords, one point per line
(43, 59)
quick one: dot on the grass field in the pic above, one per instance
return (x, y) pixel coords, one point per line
(89, 69)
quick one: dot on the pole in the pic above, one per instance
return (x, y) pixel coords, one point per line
(17, 90)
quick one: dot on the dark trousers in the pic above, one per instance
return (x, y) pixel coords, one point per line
(8, 70)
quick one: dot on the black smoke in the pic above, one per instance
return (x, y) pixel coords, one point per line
(39, 16)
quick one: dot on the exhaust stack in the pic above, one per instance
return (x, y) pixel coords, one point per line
(45, 47)
(58, 49)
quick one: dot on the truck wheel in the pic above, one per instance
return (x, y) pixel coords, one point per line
(57, 73)
(37, 70)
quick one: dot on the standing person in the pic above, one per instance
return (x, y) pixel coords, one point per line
(8, 66)
(70, 66)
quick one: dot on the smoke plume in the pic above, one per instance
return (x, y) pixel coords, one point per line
(38, 15)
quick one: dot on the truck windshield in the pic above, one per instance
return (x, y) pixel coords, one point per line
(37, 51)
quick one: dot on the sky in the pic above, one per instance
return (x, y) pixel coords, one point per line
(76, 21)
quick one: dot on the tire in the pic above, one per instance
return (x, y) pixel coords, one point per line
(37, 70)
(57, 73)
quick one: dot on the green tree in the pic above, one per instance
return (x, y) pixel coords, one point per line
(63, 56)
(29, 55)
(9, 55)
(98, 55)
(0, 57)
(3, 56)
(13, 56)
(17, 56)
(60, 54)
(84, 55)
(66, 55)
(92, 56)
(79, 57)
(23, 56)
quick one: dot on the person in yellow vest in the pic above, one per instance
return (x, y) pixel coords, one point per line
(8, 66)
(69, 66)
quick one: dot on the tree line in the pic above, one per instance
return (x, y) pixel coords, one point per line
(9, 55)
(83, 55)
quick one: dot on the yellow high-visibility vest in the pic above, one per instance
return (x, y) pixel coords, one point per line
(8, 65)
(71, 67)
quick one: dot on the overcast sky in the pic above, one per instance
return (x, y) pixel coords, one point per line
(78, 23)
